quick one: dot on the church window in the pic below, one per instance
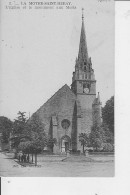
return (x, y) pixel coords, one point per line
(65, 124)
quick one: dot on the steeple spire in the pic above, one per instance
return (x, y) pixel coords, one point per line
(98, 97)
(83, 65)
(82, 14)
(83, 51)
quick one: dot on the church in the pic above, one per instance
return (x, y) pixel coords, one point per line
(72, 111)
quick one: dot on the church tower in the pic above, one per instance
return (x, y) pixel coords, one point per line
(83, 81)
(96, 108)
(84, 85)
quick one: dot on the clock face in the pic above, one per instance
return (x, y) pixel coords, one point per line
(86, 90)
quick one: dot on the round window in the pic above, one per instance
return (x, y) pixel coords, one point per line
(65, 124)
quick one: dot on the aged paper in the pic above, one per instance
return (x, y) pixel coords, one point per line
(58, 65)
(118, 184)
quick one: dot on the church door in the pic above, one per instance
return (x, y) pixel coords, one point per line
(65, 143)
(66, 146)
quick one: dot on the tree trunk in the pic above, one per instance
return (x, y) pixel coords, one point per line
(35, 159)
(32, 157)
(28, 157)
(83, 148)
(16, 154)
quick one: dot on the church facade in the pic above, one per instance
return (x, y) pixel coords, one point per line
(71, 111)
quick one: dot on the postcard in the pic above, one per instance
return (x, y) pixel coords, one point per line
(64, 101)
(57, 84)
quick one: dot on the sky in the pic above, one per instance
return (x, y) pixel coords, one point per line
(39, 48)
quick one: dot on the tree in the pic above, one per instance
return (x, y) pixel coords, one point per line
(5, 128)
(31, 147)
(100, 137)
(51, 142)
(108, 135)
(35, 130)
(36, 135)
(28, 135)
(108, 147)
(36, 124)
(25, 146)
(84, 140)
(108, 114)
(96, 137)
(19, 123)
(18, 133)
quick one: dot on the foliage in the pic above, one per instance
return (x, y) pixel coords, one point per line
(31, 147)
(107, 147)
(18, 133)
(19, 123)
(5, 128)
(84, 140)
(25, 146)
(35, 124)
(35, 134)
(109, 137)
(39, 141)
(51, 142)
(99, 136)
(29, 135)
(96, 137)
(103, 135)
(35, 130)
(108, 114)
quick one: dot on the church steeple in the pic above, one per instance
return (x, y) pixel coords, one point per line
(83, 74)
(83, 51)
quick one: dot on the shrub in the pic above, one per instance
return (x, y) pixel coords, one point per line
(107, 147)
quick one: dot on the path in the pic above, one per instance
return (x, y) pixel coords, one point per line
(9, 168)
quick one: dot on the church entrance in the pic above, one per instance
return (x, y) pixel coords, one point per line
(65, 143)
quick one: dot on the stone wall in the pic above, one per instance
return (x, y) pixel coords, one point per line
(60, 106)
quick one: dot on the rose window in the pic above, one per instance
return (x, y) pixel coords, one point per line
(65, 124)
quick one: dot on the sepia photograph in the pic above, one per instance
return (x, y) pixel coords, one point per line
(57, 88)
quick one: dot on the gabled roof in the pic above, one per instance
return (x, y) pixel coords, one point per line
(62, 91)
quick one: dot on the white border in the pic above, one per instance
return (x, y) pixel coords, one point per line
(101, 186)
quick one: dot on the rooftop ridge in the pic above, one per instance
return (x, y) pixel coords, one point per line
(56, 93)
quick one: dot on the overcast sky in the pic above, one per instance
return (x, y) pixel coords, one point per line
(39, 48)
